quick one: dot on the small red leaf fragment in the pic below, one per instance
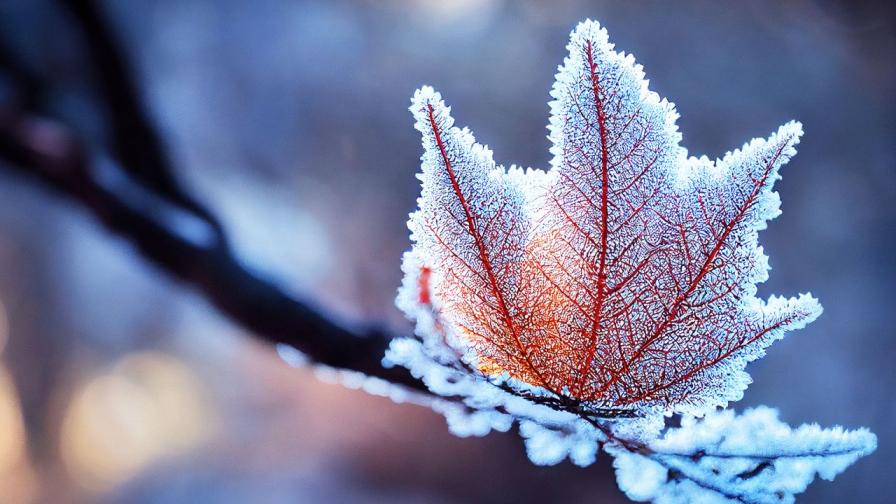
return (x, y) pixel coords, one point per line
(423, 296)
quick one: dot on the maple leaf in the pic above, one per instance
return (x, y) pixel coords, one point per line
(588, 301)
(623, 278)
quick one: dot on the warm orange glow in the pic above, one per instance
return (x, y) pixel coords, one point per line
(17, 479)
(12, 428)
(147, 407)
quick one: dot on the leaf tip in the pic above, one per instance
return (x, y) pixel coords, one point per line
(589, 30)
(424, 97)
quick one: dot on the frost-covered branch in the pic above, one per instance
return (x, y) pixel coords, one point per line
(752, 457)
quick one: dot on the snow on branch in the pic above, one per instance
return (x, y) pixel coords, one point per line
(751, 457)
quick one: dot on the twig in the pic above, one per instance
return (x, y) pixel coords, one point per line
(133, 139)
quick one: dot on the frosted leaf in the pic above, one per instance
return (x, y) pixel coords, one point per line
(591, 301)
(622, 279)
(752, 457)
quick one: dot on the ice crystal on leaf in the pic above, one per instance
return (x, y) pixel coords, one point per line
(589, 301)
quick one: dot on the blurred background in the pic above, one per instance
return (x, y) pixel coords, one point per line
(289, 120)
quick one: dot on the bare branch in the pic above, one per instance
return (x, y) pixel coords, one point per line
(180, 244)
(133, 139)
(133, 191)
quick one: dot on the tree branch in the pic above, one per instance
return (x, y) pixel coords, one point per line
(133, 191)
(183, 245)
(133, 139)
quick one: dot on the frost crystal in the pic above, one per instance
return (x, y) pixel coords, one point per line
(753, 457)
(589, 301)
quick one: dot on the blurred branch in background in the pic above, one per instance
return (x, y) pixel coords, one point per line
(130, 186)
(134, 140)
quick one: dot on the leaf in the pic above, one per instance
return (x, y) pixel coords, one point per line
(589, 302)
(473, 224)
(625, 277)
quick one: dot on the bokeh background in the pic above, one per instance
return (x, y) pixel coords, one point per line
(288, 118)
